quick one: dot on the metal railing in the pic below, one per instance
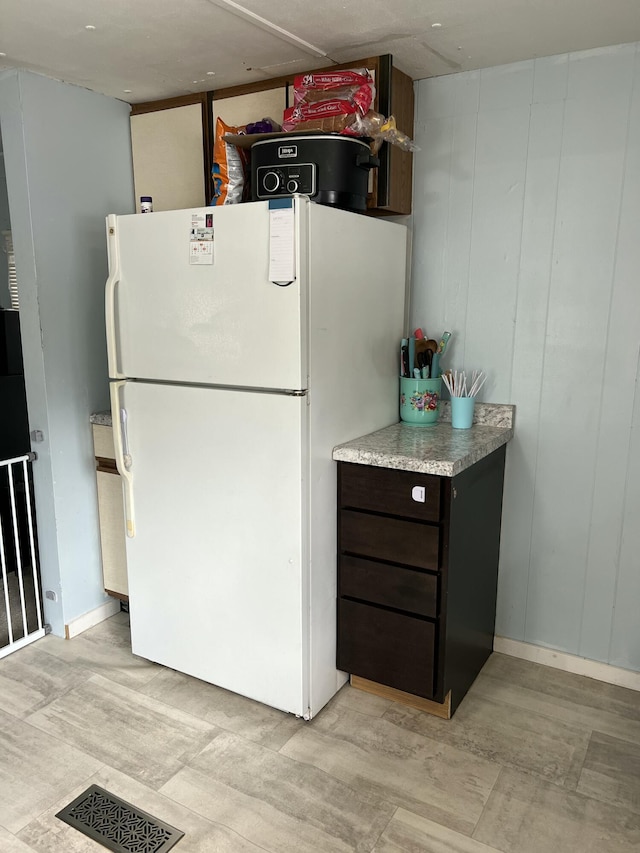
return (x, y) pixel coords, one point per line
(21, 603)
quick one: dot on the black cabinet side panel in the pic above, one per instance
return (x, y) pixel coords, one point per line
(472, 571)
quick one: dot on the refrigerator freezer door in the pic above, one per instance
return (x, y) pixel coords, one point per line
(223, 323)
(217, 568)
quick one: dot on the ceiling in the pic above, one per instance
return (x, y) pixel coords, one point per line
(142, 50)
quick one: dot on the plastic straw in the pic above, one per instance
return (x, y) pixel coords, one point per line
(456, 382)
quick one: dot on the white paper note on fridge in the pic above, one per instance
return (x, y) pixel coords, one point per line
(282, 252)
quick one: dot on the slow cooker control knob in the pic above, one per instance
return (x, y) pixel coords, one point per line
(271, 181)
(292, 186)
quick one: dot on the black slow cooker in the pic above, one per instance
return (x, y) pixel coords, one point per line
(329, 168)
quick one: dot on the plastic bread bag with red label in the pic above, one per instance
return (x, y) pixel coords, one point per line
(329, 100)
(230, 168)
(308, 85)
(333, 116)
(355, 85)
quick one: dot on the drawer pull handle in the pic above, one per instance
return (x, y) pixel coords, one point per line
(419, 494)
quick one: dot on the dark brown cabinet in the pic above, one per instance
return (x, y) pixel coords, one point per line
(391, 183)
(417, 576)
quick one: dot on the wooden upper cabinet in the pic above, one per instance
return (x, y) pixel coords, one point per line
(396, 167)
(390, 184)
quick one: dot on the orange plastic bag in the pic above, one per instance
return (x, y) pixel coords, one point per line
(230, 168)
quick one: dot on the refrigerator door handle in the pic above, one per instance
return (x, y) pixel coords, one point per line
(123, 458)
(110, 298)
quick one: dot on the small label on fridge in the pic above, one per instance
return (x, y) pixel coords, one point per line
(282, 257)
(201, 238)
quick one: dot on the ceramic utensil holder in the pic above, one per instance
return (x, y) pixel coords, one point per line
(420, 401)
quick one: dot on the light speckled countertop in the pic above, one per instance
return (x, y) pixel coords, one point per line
(437, 449)
(102, 418)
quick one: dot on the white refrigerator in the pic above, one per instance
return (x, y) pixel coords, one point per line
(244, 343)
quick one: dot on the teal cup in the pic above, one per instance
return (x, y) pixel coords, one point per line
(462, 412)
(420, 401)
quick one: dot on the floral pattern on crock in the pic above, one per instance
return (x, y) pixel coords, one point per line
(425, 402)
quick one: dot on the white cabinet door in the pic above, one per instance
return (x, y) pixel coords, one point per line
(112, 535)
(110, 513)
(168, 157)
(250, 108)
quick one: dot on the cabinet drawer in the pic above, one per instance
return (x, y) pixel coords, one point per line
(389, 491)
(112, 533)
(390, 539)
(393, 586)
(103, 441)
(386, 647)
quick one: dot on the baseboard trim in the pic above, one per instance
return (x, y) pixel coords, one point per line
(93, 617)
(569, 663)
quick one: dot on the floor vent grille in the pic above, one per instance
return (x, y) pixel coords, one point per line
(118, 825)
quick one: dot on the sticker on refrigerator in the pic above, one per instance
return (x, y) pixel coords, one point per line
(201, 238)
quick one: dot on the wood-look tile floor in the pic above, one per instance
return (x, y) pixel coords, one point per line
(534, 760)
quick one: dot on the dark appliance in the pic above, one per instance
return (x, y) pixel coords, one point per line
(329, 168)
(14, 442)
(14, 423)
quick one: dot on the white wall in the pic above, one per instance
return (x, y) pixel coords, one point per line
(68, 164)
(527, 246)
